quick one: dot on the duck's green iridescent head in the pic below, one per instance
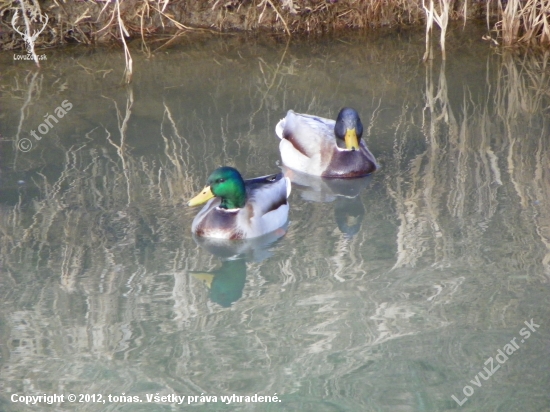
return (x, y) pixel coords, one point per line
(225, 183)
(349, 128)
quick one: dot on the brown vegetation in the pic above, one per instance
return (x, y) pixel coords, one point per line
(97, 21)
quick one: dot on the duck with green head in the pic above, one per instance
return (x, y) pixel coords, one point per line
(241, 209)
(324, 147)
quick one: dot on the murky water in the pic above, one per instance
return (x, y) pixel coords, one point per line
(390, 293)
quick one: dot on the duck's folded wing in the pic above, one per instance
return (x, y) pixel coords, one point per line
(268, 193)
(308, 134)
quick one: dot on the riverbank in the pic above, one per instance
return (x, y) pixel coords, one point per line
(99, 21)
(37, 25)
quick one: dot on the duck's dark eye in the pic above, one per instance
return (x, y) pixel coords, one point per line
(220, 180)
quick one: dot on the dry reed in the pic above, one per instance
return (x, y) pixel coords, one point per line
(98, 21)
(524, 22)
(95, 21)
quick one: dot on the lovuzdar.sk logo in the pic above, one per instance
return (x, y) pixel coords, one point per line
(31, 17)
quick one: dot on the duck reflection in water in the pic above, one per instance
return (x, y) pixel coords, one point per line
(345, 193)
(226, 283)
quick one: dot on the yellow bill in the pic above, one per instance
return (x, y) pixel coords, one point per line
(204, 196)
(352, 143)
(352, 220)
(206, 278)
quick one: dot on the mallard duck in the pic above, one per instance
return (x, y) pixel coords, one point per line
(241, 209)
(311, 144)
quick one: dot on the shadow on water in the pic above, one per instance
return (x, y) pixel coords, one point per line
(389, 297)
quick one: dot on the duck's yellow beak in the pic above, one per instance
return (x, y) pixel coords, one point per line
(204, 196)
(352, 143)
(206, 278)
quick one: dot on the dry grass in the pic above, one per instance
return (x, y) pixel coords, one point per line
(524, 22)
(96, 21)
(99, 21)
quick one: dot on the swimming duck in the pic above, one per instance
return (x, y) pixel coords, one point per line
(311, 144)
(240, 209)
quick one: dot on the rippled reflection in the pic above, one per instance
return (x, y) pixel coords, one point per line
(227, 282)
(345, 193)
